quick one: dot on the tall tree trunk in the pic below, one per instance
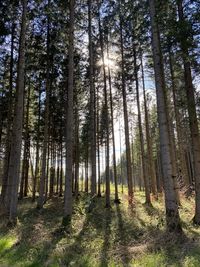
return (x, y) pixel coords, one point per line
(172, 214)
(41, 198)
(113, 133)
(126, 123)
(76, 173)
(26, 147)
(180, 135)
(9, 123)
(86, 175)
(106, 116)
(194, 130)
(144, 166)
(149, 140)
(98, 147)
(16, 143)
(36, 173)
(69, 121)
(92, 104)
(61, 168)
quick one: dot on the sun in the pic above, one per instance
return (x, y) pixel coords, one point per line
(109, 63)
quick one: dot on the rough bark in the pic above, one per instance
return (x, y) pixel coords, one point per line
(172, 214)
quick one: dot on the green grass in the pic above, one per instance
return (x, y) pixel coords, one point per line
(104, 237)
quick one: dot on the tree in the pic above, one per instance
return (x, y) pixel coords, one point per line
(15, 151)
(171, 205)
(69, 120)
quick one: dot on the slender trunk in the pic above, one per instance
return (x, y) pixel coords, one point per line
(120, 151)
(86, 175)
(61, 168)
(35, 178)
(144, 166)
(76, 174)
(69, 121)
(41, 198)
(26, 148)
(92, 104)
(113, 134)
(126, 123)
(16, 142)
(98, 147)
(58, 172)
(172, 214)
(149, 140)
(106, 118)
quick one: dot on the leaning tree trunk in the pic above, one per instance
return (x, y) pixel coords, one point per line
(16, 143)
(69, 121)
(194, 130)
(172, 214)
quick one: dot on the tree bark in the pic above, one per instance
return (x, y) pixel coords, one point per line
(69, 121)
(126, 123)
(144, 166)
(41, 198)
(194, 130)
(16, 143)
(92, 104)
(172, 214)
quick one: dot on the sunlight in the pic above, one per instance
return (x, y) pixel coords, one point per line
(109, 62)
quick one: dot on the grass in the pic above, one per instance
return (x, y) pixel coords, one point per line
(103, 237)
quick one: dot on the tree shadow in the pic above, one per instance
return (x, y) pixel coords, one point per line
(107, 235)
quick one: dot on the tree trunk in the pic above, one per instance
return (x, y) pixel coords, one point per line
(69, 121)
(5, 197)
(92, 104)
(106, 117)
(180, 137)
(172, 214)
(149, 140)
(16, 142)
(41, 198)
(113, 133)
(26, 148)
(144, 166)
(35, 179)
(194, 130)
(126, 123)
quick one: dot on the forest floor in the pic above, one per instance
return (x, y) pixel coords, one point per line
(102, 237)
